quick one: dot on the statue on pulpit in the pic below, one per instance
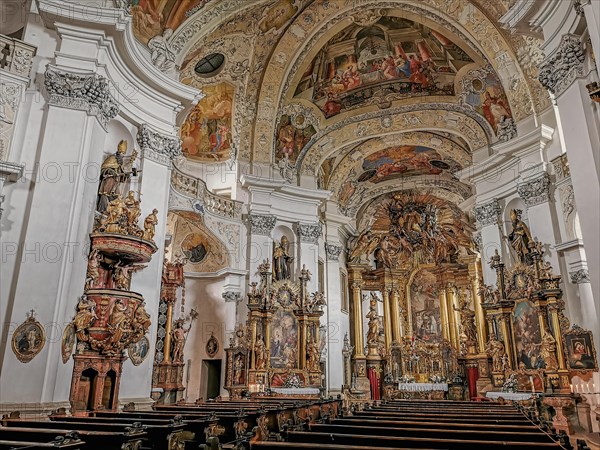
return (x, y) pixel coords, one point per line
(282, 260)
(114, 172)
(520, 238)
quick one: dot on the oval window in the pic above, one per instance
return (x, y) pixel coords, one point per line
(209, 65)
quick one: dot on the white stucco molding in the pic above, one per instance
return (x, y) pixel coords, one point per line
(333, 251)
(535, 191)
(487, 213)
(563, 66)
(310, 232)
(158, 147)
(104, 43)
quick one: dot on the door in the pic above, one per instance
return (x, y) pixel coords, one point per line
(211, 369)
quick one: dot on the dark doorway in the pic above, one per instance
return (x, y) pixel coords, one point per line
(211, 369)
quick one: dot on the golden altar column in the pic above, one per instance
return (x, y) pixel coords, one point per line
(168, 333)
(387, 317)
(474, 277)
(395, 307)
(359, 344)
(444, 314)
(452, 323)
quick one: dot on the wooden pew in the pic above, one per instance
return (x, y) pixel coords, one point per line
(92, 440)
(69, 441)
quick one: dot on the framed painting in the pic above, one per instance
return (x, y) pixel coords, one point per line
(581, 353)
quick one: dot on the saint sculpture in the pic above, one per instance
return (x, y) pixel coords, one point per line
(520, 237)
(282, 260)
(113, 173)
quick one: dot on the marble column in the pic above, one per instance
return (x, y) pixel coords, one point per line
(157, 151)
(488, 215)
(563, 73)
(50, 254)
(335, 317)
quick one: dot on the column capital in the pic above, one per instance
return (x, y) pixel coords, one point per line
(536, 191)
(231, 296)
(487, 213)
(310, 232)
(580, 276)
(158, 147)
(333, 251)
(563, 66)
(86, 91)
(261, 224)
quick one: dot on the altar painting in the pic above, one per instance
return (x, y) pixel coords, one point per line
(405, 160)
(425, 306)
(284, 340)
(392, 57)
(527, 336)
(206, 132)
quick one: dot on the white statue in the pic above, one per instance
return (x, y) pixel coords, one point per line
(162, 56)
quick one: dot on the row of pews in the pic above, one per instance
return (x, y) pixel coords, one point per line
(227, 424)
(278, 424)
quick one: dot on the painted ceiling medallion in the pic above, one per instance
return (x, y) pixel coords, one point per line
(28, 339)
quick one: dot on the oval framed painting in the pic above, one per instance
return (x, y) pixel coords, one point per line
(28, 339)
(138, 351)
(68, 342)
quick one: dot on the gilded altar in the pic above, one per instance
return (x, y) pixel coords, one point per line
(279, 347)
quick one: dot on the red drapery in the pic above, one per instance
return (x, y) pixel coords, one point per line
(473, 376)
(374, 382)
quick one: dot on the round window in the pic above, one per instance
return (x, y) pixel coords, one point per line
(210, 65)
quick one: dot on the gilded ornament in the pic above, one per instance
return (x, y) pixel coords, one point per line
(68, 342)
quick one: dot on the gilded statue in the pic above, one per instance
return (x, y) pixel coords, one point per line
(142, 320)
(373, 333)
(520, 237)
(115, 218)
(122, 275)
(133, 211)
(238, 370)
(281, 259)
(548, 350)
(118, 322)
(467, 317)
(150, 224)
(86, 314)
(365, 245)
(314, 355)
(179, 338)
(114, 172)
(495, 349)
(93, 270)
(260, 353)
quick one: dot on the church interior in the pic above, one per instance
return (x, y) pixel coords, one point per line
(314, 224)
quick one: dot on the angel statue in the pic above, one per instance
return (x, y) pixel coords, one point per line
(114, 172)
(365, 245)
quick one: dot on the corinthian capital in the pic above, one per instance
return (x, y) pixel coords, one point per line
(158, 147)
(88, 92)
(535, 191)
(560, 69)
(333, 251)
(309, 232)
(261, 224)
(487, 213)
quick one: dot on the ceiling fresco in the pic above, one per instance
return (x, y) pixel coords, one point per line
(390, 59)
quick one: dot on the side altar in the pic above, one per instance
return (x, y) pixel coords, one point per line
(278, 351)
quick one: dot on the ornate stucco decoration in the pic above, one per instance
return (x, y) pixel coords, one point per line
(309, 232)
(158, 147)
(535, 191)
(333, 251)
(88, 92)
(507, 129)
(580, 276)
(487, 213)
(561, 167)
(10, 97)
(563, 66)
(478, 241)
(231, 296)
(261, 224)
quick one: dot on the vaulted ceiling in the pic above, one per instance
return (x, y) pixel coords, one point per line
(367, 97)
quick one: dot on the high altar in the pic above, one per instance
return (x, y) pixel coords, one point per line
(278, 350)
(435, 331)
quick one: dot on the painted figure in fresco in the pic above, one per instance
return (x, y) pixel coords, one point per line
(494, 109)
(282, 260)
(520, 237)
(113, 173)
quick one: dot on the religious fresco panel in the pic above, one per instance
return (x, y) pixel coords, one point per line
(527, 336)
(393, 58)
(292, 137)
(487, 96)
(206, 132)
(284, 340)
